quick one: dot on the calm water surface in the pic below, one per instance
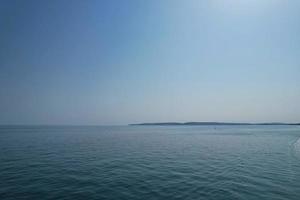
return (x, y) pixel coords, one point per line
(150, 162)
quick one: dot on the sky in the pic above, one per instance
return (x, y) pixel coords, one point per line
(110, 62)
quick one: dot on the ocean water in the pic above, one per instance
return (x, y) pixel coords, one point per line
(150, 162)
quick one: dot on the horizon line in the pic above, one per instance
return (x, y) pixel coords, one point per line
(168, 122)
(216, 123)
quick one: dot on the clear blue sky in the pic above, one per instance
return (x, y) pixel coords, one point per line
(127, 61)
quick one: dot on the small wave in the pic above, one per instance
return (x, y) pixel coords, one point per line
(296, 148)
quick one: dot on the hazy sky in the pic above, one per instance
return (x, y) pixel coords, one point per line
(127, 61)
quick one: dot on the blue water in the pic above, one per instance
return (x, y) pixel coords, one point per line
(150, 162)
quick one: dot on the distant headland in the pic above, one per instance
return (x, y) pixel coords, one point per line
(207, 123)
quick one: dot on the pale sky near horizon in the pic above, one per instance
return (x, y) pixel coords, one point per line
(128, 61)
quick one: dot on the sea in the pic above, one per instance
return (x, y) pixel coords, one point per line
(150, 162)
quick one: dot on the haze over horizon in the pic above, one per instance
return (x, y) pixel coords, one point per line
(122, 62)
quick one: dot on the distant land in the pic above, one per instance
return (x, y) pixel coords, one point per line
(207, 123)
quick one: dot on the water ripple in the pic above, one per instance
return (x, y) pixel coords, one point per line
(149, 163)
